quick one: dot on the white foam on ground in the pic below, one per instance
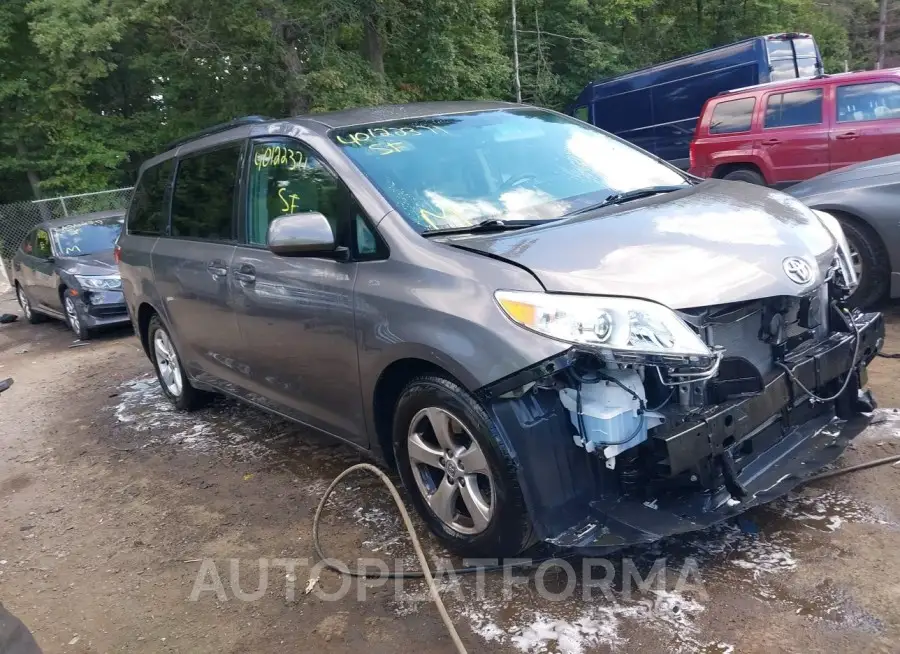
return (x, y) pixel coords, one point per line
(829, 510)
(578, 627)
(144, 409)
(573, 626)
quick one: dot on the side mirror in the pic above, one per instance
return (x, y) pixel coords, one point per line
(301, 234)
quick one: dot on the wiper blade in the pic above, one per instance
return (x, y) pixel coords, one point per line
(490, 225)
(627, 196)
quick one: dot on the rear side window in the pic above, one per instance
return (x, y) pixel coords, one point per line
(146, 213)
(794, 108)
(874, 101)
(732, 116)
(203, 199)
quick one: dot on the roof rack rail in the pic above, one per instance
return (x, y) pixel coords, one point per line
(215, 129)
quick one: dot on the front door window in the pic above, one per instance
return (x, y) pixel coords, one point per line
(42, 244)
(286, 178)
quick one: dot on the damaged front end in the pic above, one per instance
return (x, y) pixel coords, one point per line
(619, 446)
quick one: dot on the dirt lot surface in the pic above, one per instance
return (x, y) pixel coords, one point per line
(118, 516)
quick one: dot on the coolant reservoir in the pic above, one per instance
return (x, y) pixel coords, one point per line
(611, 415)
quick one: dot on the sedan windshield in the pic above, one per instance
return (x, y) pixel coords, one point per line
(89, 237)
(456, 171)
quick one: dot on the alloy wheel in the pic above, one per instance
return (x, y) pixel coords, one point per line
(23, 302)
(451, 471)
(855, 259)
(167, 362)
(72, 315)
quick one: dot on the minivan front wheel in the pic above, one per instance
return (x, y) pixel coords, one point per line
(461, 478)
(169, 368)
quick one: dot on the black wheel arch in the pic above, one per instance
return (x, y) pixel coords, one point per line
(390, 383)
(144, 313)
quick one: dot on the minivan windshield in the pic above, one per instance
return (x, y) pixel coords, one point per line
(89, 237)
(459, 170)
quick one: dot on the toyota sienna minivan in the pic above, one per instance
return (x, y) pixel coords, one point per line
(549, 334)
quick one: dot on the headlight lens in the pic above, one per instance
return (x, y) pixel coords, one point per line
(845, 258)
(100, 282)
(619, 324)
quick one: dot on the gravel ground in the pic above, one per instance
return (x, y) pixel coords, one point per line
(127, 527)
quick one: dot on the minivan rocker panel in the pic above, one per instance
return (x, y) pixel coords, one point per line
(643, 355)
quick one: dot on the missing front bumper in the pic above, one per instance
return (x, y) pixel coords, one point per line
(754, 450)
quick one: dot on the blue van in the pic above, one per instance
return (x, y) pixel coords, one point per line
(657, 108)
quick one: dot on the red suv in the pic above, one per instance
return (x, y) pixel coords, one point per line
(786, 132)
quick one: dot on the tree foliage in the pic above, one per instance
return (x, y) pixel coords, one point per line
(88, 88)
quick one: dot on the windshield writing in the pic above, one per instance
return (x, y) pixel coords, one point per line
(88, 237)
(454, 171)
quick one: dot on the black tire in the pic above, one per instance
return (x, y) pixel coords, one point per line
(76, 323)
(509, 530)
(189, 398)
(876, 269)
(32, 316)
(745, 175)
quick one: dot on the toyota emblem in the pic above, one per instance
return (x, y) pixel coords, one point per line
(797, 270)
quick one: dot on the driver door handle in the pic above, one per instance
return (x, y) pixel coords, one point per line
(846, 136)
(246, 274)
(771, 142)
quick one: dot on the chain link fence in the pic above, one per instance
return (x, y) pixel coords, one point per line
(17, 218)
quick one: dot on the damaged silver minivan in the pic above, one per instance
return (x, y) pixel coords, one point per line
(550, 334)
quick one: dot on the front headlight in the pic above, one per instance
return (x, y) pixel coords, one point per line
(100, 282)
(844, 256)
(609, 323)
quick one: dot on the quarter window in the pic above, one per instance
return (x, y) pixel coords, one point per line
(732, 116)
(285, 178)
(875, 101)
(203, 199)
(794, 108)
(146, 213)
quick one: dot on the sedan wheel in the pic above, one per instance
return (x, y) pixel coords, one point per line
(855, 260)
(870, 260)
(167, 363)
(451, 471)
(74, 319)
(30, 315)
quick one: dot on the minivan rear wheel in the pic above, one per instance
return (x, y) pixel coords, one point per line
(169, 369)
(461, 478)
